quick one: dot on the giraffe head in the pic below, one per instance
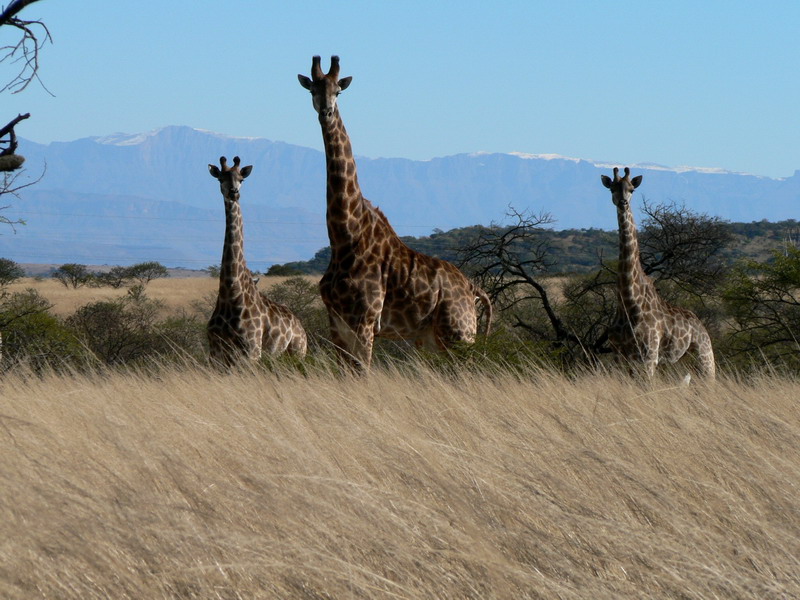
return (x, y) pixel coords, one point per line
(621, 187)
(230, 179)
(324, 88)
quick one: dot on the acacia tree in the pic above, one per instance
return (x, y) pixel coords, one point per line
(684, 248)
(763, 300)
(679, 249)
(10, 271)
(511, 263)
(147, 271)
(72, 274)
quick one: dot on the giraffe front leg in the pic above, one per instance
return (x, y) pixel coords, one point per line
(255, 341)
(222, 353)
(353, 343)
(651, 354)
(343, 339)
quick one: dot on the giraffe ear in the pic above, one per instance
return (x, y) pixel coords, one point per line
(214, 170)
(606, 180)
(344, 82)
(636, 181)
(245, 171)
(304, 81)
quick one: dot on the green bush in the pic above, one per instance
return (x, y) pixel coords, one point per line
(34, 336)
(762, 302)
(10, 271)
(72, 274)
(130, 330)
(117, 277)
(302, 298)
(145, 272)
(283, 271)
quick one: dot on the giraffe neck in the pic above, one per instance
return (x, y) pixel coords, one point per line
(346, 205)
(234, 277)
(630, 275)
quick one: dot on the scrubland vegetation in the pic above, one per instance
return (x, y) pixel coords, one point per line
(522, 467)
(131, 470)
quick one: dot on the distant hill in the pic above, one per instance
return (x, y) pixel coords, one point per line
(580, 250)
(122, 199)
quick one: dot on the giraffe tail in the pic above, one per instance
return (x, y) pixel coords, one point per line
(487, 303)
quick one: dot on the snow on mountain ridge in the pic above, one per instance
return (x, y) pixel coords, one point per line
(125, 139)
(605, 164)
(133, 139)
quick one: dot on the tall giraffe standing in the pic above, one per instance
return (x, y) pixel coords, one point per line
(245, 322)
(375, 285)
(646, 328)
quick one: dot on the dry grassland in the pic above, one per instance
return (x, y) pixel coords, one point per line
(188, 484)
(176, 293)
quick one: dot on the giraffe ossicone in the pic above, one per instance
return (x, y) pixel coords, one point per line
(647, 329)
(245, 322)
(375, 285)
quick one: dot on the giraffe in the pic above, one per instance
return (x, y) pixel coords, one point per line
(646, 328)
(245, 322)
(375, 285)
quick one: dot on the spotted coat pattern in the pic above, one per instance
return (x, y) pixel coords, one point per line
(375, 285)
(646, 328)
(245, 322)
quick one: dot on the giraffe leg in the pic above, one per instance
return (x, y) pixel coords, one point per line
(222, 353)
(273, 339)
(455, 323)
(651, 362)
(651, 352)
(705, 356)
(353, 344)
(254, 345)
(363, 348)
(429, 340)
(707, 365)
(298, 344)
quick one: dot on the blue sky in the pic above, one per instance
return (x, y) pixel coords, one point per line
(707, 84)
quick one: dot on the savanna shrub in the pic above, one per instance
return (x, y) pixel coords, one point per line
(302, 297)
(10, 271)
(33, 335)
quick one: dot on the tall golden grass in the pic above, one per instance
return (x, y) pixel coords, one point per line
(174, 292)
(185, 483)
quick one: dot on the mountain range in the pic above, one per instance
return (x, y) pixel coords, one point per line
(123, 198)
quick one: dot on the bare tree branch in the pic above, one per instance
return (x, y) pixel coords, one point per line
(9, 186)
(25, 53)
(12, 144)
(12, 9)
(683, 247)
(26, 50)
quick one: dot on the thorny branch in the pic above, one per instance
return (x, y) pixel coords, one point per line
(26, 51)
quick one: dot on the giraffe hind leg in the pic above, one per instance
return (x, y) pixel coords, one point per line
(705, 356)
(298, 345)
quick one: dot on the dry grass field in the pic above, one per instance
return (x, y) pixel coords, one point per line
(175, 292)
(183, 483)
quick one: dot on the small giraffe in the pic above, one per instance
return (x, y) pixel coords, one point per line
(375, 285)
(646, 328)
(245, 322)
